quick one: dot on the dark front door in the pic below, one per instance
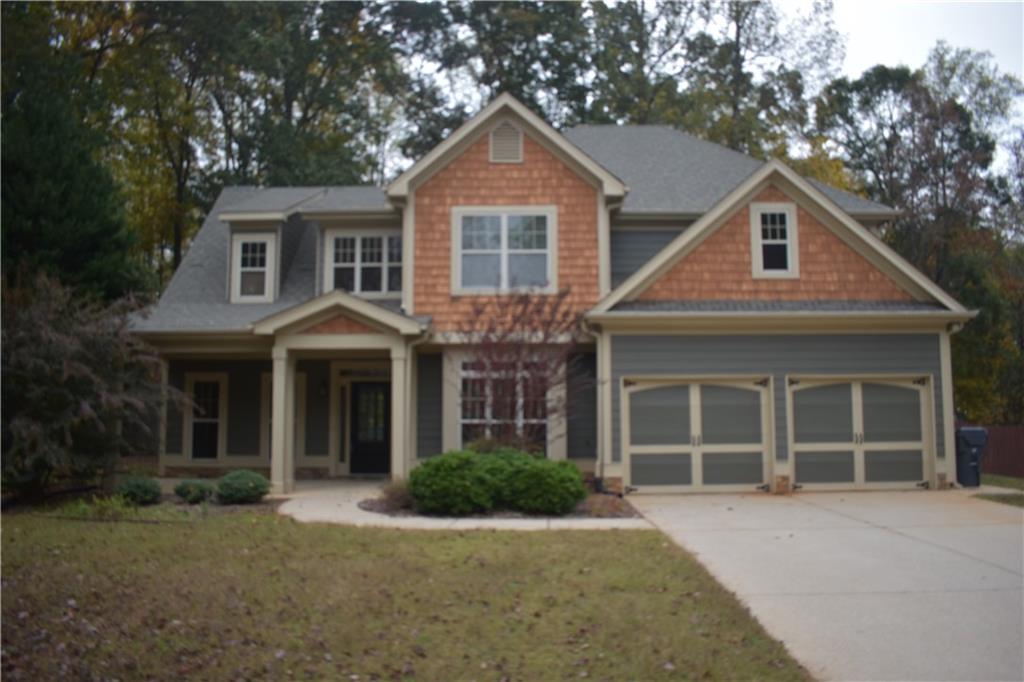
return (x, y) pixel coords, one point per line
(371, 428)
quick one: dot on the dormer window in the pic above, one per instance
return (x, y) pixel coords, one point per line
(773, 241)
(253, 262)
(366, 262)
(506, 144)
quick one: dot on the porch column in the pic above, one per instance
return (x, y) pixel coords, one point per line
(161, 454)
(282, 471)
(399, 461)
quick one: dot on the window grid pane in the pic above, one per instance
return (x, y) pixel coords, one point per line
(254, 255)
(372, 249)
(505, 251)
(345, 250)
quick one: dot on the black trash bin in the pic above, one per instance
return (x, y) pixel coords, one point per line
(970, 443)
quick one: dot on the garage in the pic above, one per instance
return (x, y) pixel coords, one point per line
(696, 434)
(849, 434)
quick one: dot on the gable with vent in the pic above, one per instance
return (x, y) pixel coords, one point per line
(506, 143)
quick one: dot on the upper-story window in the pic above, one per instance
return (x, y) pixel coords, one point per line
(253, 266)
(773, 240)
(504, 249)
(366, 262)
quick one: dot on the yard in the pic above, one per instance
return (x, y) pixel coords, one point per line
(249, 595)
(1016, 499)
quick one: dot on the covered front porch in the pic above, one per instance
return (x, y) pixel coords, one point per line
(335, 372)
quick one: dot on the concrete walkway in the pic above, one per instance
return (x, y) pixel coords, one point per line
(338, 502)
(868, 586)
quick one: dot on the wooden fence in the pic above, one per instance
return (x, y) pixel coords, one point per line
(1004, 453)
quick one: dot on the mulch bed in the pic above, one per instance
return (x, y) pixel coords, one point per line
(595, 506)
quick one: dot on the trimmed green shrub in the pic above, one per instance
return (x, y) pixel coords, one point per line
(242, 487)
(194, 491)
(139, 490)
(501, 468)
(451, 484)
(546, 487)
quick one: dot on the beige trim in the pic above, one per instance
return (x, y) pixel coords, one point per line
(504, 103)
(550, 212)
(345, 302)
(327, 258)
(757, 269)
(948, 411)
(604, 383)
(162, 446)
(408, 250)
(222, 418)
(451, 385)
(902, 380)
(299, 442)
(805, 322)
(282, 469)
(868, 245)
(399, 456)
(269, 272)
(252, 217)
(604, 248)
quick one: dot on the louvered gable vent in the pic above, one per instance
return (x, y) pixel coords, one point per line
(506, 144)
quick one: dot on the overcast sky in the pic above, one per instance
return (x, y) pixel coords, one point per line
(903, 31)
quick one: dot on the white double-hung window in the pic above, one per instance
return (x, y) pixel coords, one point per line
(498, 249)
(773, 240)
(506, 401)
(368, 263)
(253, 265)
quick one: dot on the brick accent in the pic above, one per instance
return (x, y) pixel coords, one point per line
(340, 325)
(720, 267)
(472, 180)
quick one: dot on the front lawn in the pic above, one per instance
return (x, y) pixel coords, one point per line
(260, 596)
(1014, 499)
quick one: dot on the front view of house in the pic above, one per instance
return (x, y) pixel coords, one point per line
(746, 328)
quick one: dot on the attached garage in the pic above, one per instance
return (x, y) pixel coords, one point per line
(871, 433)
(697, 434)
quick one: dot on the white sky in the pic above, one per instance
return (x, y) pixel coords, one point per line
(895, 32)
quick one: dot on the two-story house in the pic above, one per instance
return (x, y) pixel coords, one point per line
(747, 328)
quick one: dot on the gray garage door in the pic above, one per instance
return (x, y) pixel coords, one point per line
(701, 435)
(859, 434)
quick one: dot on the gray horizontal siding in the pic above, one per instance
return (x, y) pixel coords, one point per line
(581, 400)
(428, 405)
(243, 402)
(317, 404)
(777, 355)
(631, 248)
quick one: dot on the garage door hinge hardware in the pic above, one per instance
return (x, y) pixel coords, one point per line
(762, 382)
(764, 488)
(794, 382)
(920, 382)
(629, 489)
(797, 486)
(924, 484)
(628, 382)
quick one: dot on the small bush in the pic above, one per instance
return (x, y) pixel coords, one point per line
(546, 487)
(242, 487)
(501, 468)
(194, 491)
(139, 490)
(451, 484)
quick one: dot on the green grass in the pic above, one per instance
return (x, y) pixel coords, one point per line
(1012, 499)
(259, 596)
(1003, 481)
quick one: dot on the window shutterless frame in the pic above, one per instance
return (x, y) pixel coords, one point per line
(253, 253)
(505, 251)
(477, 407)
(216, 417)
(374, 257)
(758, 240)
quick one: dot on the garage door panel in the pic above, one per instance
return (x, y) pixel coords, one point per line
(823, 414)
(891, 413)
(825, 467)
(660, 416)
(661, 469)
(733, 468)
(730, 415)
(893, 466)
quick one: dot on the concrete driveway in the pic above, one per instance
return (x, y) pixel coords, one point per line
(868, 586)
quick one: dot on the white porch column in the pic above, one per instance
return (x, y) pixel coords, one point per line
(161, 454)
(282, 470)
(399, 460)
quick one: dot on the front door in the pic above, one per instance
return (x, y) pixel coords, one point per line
(371, 428)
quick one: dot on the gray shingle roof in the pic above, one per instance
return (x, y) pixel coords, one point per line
(349, 198)
(776, 306)
(669, 171)
(274, 199)
(196, 300)
(356, 198)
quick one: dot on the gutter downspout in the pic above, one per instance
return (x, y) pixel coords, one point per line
(588, 328)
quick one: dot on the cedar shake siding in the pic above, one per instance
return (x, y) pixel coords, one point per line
(340, 325)
(472, 180)
(720, 267)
